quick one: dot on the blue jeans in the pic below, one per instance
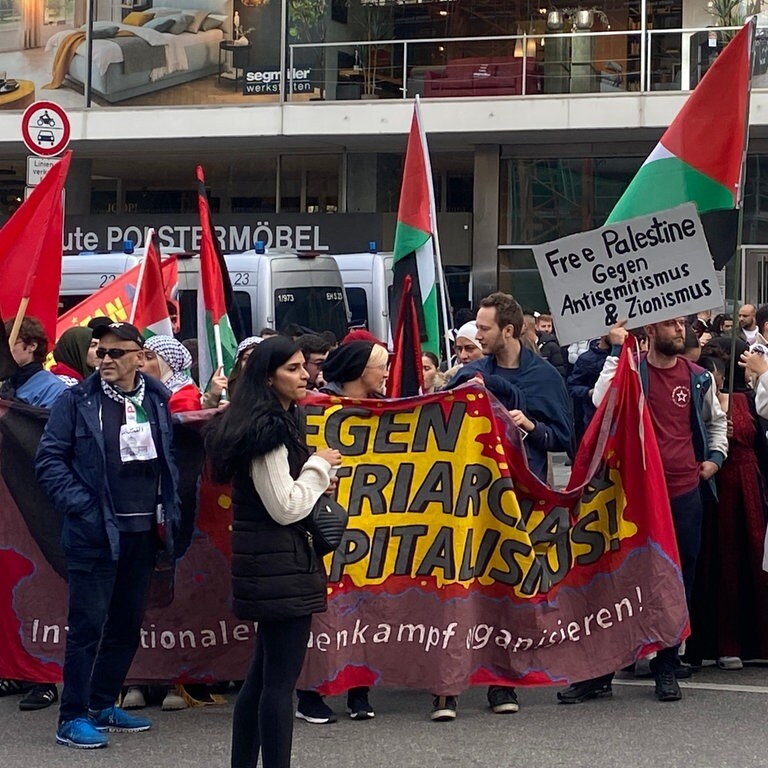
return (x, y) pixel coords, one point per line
(106, 608)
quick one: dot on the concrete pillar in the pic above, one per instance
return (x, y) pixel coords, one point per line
(78, 188)
(485, 231)
(361, 183)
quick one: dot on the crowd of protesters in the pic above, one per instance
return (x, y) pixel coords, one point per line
(117, 489)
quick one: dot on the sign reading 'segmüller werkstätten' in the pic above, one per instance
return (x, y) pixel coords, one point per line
(643, 270)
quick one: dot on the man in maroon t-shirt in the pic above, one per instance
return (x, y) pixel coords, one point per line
(691, 432)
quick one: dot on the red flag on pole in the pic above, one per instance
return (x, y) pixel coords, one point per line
(149, 312)
(406, 374)
(115, 300)
(31, 248)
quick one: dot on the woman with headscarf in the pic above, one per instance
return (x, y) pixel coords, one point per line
(466, 346)
(74, 361)
(356, 369)
(169, 360)
(219, 382)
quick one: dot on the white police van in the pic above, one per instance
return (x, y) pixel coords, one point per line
(368, 279)
(271, 289)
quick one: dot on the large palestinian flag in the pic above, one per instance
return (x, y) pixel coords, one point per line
(699, 157)
(414, 252)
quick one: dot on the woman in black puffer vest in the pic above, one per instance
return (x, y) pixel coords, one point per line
(277, 579)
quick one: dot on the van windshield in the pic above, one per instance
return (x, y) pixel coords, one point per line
(319, 309)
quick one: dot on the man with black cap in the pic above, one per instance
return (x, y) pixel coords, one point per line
(106, 462)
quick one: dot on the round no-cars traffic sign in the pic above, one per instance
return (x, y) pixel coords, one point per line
(45, 128)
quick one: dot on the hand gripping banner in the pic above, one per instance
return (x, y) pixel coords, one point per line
(458, 567)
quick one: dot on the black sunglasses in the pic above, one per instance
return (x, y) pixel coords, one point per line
(115, 353)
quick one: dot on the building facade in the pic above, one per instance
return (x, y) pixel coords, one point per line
(537, 118)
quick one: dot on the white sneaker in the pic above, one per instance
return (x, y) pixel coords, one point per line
(134, 698)
(730, 662)
(173, 701)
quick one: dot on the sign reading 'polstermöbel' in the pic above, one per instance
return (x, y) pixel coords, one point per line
(644, 270)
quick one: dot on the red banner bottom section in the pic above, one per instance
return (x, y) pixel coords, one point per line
(416, 640)
(412, 639)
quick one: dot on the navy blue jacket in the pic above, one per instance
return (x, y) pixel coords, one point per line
(584, 376)
(538, 390)
(71, 468)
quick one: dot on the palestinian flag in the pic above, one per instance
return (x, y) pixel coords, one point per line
(406, 374)
(699, 157)
(149, 312)
(217, 343)
(414, 252)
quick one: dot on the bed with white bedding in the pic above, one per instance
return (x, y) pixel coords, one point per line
(149, 60)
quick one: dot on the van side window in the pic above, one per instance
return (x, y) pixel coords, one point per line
(358, 307)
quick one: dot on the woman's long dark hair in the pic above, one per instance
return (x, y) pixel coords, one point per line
(232, 439)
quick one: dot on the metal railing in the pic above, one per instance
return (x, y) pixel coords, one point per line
(528, 64)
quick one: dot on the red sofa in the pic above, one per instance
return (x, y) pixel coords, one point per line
(484, 76)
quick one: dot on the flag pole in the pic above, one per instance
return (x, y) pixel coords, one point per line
(140, 279)
(437, 253)
(219, 356)
(23, 304)
(740, 203)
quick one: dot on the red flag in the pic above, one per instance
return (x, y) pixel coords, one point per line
(31, 248)
(149, 312)
(115, 300)
(406, 374)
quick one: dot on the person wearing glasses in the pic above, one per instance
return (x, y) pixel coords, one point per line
(315, 349)
(356, 369)
(105, 460)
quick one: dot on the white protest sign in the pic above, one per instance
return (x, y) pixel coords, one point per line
(646, 270)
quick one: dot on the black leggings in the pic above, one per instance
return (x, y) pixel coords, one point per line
(263, 718)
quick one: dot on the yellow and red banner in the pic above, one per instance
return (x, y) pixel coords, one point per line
(458, 566)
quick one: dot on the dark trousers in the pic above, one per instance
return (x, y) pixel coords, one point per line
(687, 515)
(106, 608)
(263, 717)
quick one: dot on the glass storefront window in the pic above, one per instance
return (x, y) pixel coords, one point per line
(309, 183)
(452, 178)
(542, 200)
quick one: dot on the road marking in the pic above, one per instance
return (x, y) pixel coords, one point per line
(701, 686)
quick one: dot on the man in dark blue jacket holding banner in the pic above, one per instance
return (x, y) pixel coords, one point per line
(106, 462)
(534, 393)
(531, 388)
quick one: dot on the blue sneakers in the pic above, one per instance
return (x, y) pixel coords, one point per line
(117, 720)
(81, 734)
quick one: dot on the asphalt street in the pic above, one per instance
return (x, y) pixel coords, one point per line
(721, 721)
